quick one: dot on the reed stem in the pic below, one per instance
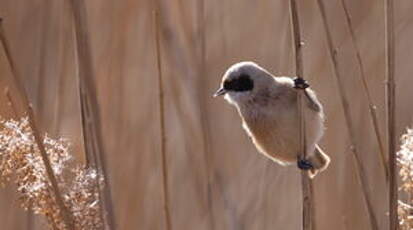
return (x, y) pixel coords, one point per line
(94, 149)
(360, 169)
(206, 132)
(363, 78)
(162, 130)
(391, 112)
(308, 214)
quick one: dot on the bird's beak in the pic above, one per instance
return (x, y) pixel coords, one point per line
(220, 91)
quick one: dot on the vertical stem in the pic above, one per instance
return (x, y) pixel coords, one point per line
(162, 124)
(296, 34)
(58, 105)
(372, 107)
(360, 170)
(60, 91)
(43, 50)
(202, 73)
(89, 142)
(66, 215)
(306, 183)
(95, 151)
(391, 111)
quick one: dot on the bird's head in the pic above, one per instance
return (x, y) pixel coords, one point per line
(242, 81)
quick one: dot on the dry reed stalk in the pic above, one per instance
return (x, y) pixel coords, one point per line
(192, 51)
(84, 63)
(59, 100)
(308, 214)
(90, 143)
(66, 215)
(203, 74)
(58, 105)
(391, 112)
(43, 49)
(162, 122)
(95, 152)
(372, 107)
(185, 20)
(360, 170)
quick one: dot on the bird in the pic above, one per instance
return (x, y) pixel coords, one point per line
(268, 107)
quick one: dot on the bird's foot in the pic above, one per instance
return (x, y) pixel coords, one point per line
(300, 83)
(304, 164)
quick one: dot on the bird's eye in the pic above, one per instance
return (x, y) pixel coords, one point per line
(239, 84)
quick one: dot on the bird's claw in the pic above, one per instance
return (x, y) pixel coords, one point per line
(300, 83)
(304, 164)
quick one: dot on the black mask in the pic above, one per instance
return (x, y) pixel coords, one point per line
(239, 84)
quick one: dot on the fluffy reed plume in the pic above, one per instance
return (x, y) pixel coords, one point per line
(20, 161)
(405, 162)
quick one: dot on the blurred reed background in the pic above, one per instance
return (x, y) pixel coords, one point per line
(216, 178)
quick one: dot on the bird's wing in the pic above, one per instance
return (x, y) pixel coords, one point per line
(312, 101)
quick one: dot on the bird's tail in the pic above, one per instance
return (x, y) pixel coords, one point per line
(319, 161)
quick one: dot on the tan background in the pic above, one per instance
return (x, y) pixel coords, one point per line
(205, 141)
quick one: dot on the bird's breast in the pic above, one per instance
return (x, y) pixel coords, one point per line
(273, 136)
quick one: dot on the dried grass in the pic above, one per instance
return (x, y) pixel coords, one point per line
(77, 187)
(66, 216)
(405, 162)
(21, 162)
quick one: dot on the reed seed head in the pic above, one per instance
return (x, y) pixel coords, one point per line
(21, 162)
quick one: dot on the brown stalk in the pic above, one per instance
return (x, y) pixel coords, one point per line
(43, 49)
(391, 112)
(59, 100)
(360, 170)
(91, 120)
(308, 214)
(90, 143)
(202, 73)
(165, 190)
(66, 215)
(58, 105)
(196, 54)
(372, 107)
